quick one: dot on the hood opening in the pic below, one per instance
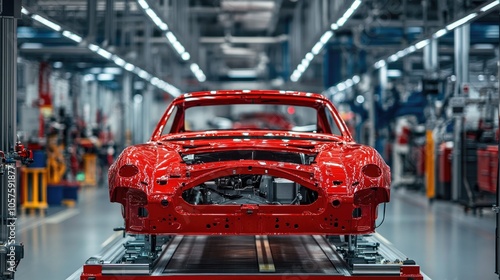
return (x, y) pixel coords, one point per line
(290, 157)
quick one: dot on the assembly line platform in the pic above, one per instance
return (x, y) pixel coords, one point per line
(249, 257)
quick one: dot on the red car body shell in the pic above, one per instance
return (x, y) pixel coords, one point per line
(350, 179)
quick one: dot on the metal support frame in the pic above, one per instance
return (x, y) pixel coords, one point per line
(462, 45)
(497, 230)
(110, 23)
(10, 11)
(91, 20)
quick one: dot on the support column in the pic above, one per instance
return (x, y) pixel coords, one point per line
(126, 121)
(91, 20)
(332, 67)
(462, 45)
(110, 23)
(10, 11)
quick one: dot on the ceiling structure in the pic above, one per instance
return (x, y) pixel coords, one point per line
(206, 44)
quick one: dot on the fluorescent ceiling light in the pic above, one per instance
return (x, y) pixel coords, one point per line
(24, 11)
(305, 62)
(401, 53)
(155, 81)
(129, 67)
(356, 79)
(104, 53)
(341, 21)
(185, 56)
(421, 44)
(393, 58)
(72, 36)
(119, 61)
(294, 78)
(326, 37)
(317, 48)
(379, 64)
(309, 56)
(301, 68)
(349, 83)
(490, 6)
(112, 70)
(46, 22)
(105, 77)
(179, 47)
(143, 4)
(242, 73)
(93, 47)
(143, 74)
(334, 26)
(341, 87)
(440, 33)
(194, 67)
(394, 73)
(356, 4)
(461, 21)
(88, 77)
(410, 49)
(154, 17)
(171, 37)
(163, 26)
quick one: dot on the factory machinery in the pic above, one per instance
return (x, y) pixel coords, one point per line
(248, 257)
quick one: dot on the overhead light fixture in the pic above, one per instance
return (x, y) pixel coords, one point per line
(185, 56)
(179, 48)
(316, 49)
(109, 55)
(309, 56)
(105, 77)
(242, 73)
(129, 67)
(104, 53)
(194, 67)
(490, 6)
(461, 21)
(341, 86)
(143, 74)
(422, 44)
(93, 47)
(326, 37)
(393, 58)
(440, 33)
(72, 36)
(46, 22)
(143, 4)
(356, 79)
(119, 61)
(379, 64)
(394, 73)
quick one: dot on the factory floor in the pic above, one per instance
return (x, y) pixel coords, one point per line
(447, 243)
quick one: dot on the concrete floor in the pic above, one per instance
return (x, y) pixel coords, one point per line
(445, 242)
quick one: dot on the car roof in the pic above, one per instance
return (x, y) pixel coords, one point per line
(253, 94)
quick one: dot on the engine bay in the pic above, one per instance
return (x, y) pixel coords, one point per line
(249, 189)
